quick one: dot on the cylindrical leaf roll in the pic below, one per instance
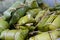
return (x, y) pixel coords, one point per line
(8, 13)
(14, 34)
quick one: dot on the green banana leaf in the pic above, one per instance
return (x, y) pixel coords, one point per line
(25, 19)
(8, 13)
(18, 14)
(55, 24)
(39, 15)
(33, 12)
(3, 25)
(52, 35)
(40, 25)
(43, 36)
(49, 21)
(14, 34)
(43, 20)
(31, 3)
(51, 18)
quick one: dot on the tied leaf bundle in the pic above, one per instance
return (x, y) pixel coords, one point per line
(46, 36)
(14, 34)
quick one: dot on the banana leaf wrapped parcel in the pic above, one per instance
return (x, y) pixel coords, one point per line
(43, 18)
(55, 24)
(14, 34)
(26, 19)
(54, 35)
(8, 13)
(18, 14)
(51, 24)
(3, 25)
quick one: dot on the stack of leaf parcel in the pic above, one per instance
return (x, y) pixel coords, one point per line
(30, 20)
